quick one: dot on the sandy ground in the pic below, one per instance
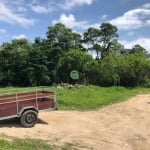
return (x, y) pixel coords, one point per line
(123, 126)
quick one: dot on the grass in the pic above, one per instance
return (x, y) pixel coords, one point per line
(23, 144)
(12, 143)
(87, 97)
(93, 97)
(9, 90)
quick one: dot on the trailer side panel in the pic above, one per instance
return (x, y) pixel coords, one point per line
(8, 109)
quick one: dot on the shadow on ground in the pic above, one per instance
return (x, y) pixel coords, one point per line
(16, 123)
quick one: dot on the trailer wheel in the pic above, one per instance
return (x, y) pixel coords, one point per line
(28, 118)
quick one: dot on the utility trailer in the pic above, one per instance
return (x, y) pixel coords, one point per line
(26, 106)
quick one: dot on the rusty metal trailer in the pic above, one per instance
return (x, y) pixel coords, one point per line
(26, 106)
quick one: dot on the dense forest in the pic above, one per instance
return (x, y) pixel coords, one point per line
(49, 61)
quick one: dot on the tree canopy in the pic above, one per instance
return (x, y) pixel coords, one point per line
(50, 60)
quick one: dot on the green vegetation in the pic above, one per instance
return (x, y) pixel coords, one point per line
(23, 144)
(74, 98)
(11, 143)
(93, 97)
(86, 97)
(50, 60)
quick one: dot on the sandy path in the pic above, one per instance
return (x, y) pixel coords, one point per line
(123, 126)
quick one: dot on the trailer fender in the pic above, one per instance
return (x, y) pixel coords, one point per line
(27, 108)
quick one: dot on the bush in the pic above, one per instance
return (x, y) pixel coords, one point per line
(133, 70)
(80, 61)
(124, 70)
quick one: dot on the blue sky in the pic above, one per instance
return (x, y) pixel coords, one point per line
(31, 18)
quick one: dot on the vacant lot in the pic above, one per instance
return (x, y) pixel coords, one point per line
(123, 126)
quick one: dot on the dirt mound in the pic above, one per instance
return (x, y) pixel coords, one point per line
(123, 126)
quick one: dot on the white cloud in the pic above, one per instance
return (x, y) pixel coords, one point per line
(148, 22)
(22, 9)
(147, 5)
(104, 17)
(68, 4)
(133, 19)
(3, 31)
(21, 36)
(70, 21)
(44, 7)
(41, 9)
(144, 42)
(10, 16)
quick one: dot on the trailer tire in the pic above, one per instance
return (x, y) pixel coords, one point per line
(29, 118)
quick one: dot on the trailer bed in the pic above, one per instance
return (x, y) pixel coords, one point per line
(14, 105)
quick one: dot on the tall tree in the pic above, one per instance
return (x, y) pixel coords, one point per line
(60, 35)
(92, 38)
(108, 33)
(102, 40)
(138, 49)
(76, 60)
(54, 57)
(36, 69)
(13, 57)
(5, 62)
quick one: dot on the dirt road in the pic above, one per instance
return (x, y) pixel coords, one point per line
(123, 126)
